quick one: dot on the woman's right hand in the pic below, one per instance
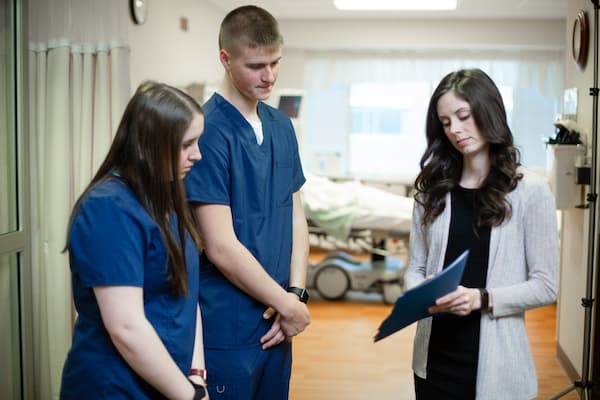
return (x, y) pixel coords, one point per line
(460, 302)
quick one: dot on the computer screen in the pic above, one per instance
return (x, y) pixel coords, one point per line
(290, 105)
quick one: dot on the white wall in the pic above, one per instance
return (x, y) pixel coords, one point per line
(362, 37)
(575, 222)
(160, 50)
(390, 34)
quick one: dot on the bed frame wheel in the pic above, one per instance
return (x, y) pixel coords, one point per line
(332, 282)
(391, 292)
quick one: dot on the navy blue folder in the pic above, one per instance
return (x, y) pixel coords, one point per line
(413, 304)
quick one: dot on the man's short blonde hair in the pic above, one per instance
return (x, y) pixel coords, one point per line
(249, 26)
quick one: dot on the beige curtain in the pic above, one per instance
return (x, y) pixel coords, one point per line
(79, 85)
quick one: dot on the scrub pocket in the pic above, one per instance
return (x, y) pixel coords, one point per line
(283, 183)
(233, 374)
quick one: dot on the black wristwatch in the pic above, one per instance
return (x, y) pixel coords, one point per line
(200, 391)
(301, 293)
(485, 299)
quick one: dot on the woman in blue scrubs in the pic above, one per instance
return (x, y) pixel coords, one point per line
(133, 252)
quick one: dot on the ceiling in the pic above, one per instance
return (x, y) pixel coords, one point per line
(467, 9)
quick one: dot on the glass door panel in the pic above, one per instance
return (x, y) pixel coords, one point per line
(8, 173)
(10, 341)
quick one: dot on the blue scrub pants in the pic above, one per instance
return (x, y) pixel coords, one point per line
(249, 373)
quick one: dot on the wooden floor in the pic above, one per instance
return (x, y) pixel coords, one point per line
(335, 358)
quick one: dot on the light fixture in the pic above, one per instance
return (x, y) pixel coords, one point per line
(404, 5)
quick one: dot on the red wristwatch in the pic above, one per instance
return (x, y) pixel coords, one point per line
(199, 372)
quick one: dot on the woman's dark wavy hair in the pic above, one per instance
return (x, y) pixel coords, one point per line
(146, 152)
(441, 164)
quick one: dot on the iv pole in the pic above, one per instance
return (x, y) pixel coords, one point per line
(585, 385)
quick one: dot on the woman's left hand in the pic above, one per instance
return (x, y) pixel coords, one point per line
(460, 302)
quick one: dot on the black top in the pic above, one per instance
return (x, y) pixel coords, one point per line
(454, 342)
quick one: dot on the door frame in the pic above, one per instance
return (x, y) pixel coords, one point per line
(17, 243)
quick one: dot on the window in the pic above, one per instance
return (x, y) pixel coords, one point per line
(387, 125)
(366, 117)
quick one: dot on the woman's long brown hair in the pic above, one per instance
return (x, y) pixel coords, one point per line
(146, 152)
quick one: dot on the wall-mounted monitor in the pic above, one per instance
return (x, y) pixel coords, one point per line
(290, 105)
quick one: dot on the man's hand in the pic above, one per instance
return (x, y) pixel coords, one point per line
(275, 335)
(295, 317)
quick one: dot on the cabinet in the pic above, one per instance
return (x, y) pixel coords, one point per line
(560, 165)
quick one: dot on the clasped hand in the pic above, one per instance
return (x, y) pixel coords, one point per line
(295, 320)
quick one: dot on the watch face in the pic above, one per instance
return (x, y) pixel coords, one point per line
(305, 296)
(200, 391)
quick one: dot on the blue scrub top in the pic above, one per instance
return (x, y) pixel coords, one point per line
(257, 183)
(114, 242)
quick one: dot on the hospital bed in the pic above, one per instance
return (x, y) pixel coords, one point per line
(359, 218)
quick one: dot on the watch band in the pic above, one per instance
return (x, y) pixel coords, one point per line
(200, 391)
(485, 299)
(202, 373)
(300, 292)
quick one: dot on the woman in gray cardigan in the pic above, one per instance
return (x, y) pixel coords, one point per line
(473, 194)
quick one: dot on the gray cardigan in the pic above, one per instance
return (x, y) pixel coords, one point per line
(522, 274)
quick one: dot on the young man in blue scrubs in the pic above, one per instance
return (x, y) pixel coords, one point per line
(246, 202)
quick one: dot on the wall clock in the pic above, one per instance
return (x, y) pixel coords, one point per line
(580, 40)
(139, 11)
